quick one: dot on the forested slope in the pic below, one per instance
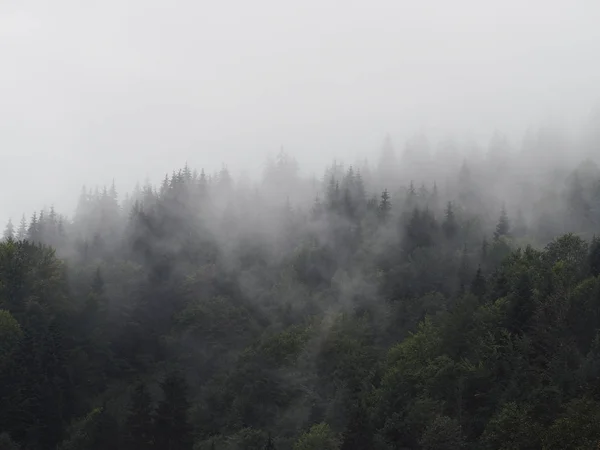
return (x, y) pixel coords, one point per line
(359, 310)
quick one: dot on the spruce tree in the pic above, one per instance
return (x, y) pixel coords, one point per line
(22, 232)
(594, 256)
(411, 198)
(41, 226)
(269, 445)
(317, 209)
(463, 270)
(172, 430)
(331, 194)
(478, 284)
(384, 205)
(9, 232)
(433, 200)
(503, 226)
(423, 194)
(348, 204)
(449, 225)
(33, 231)
(484, 249)
(139, 422)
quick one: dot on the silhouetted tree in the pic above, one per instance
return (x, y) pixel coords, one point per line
(22, 232)
(503, 226)
(9, 232)
(139, 425)
(478, 284)
(384, 205)
(450, 226)
(172, 430)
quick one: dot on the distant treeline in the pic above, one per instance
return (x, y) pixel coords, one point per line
(419, 304)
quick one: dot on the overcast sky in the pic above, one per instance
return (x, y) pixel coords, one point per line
(91, 90)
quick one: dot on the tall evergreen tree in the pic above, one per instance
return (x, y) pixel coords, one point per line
(9, 232)
(384, 205)
(594, 256)
(139, 425)
(463, 270)
(270, 445)
(503, 226)
(484, 249)
(22, 232)
(478, 284)
(172, 430)
(411, 198)
(33, 231)
(450, 226)
(434, 198)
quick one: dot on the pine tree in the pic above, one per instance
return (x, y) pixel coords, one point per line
(423, 194)
(317, 209)
(503, 226)
(139, 423)
(420, 231)
(463, 269)
(172, 430)
(33, 231)
(9, 232)
(331, 194)
(594, 256)
(478, 284)
(411, 198)
(270, 445)
(22, 232)
(83, 206)
(384, 205)
(449, 225)
(359, 189)
(348, 204)
(579, 207)
(41, 226)
(113, 192)
(164, 189)
(337, 196)
(60, 227)
(433, 201)
(484, 249)
(187, 173)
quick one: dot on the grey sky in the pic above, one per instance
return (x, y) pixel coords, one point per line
(91, 90)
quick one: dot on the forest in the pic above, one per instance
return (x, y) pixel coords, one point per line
(439, 298)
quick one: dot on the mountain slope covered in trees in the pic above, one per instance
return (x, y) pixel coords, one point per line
(403, 306)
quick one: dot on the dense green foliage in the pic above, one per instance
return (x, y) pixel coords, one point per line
(205, 315)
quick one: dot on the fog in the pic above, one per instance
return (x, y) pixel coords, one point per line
(130, 90)
(322, 226)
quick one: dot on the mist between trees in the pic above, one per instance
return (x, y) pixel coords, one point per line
(441, 298)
